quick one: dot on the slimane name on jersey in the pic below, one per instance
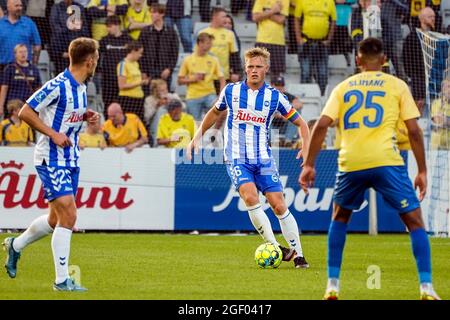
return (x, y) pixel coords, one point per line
(367, 83)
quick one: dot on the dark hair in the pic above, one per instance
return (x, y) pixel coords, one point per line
(232, 20)
(204, 36)
(158, 7)
(134, 46)
(370, 47)
(173, 104)
(82, 48)
(112, 20)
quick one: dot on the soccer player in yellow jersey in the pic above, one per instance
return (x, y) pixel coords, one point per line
(13, 131)
(368, 107)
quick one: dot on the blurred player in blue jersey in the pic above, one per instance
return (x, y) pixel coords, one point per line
(58, 110)
(251, 106)
(368, 107)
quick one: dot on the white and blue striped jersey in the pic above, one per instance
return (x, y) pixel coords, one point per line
(250, 114)
(61, 104)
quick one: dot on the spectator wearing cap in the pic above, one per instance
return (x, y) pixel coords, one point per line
(131, 80)
(113, 48)
(155, 105)
(13, 131)
(124, 130)
(100, 10)
(161, 46)
(66, 26)
(198, 71)
(20, 79)
(176, 128)
(270, 16)
(17, 29)
(290, 130)
(314, 36)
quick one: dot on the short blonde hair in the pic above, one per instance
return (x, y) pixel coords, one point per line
(17, 47)
(155, 84)
(257, 52)
(14, 104)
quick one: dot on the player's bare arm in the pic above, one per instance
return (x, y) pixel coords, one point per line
(209, 120)
(417, 146)
(28, 115)
(304, 133)
(318, 135)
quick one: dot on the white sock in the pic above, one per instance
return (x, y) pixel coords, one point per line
(61, 250)
(289, 228)
(333, 284)
(38, 229)
(262, 223)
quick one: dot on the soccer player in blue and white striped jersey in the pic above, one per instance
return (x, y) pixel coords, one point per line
(251, 106)
(58, 110)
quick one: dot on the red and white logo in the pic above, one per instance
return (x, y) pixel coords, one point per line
(15, 195)
(246, 116)
(75, 117)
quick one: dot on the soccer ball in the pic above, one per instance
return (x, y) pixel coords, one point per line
(268, 255)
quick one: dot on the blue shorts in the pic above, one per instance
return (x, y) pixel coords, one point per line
(391, 181)
(58, 181)
(264, 175)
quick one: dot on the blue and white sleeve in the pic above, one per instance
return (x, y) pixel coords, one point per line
(221, 103)
(45, 96)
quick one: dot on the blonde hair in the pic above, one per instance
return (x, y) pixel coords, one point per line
(14, 104)
(17, 47)
(257, 52)
(155, 84)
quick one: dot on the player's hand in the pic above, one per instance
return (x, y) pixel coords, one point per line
(421, 183)
(92, 117)
(61, 140)
(307, 177)
(191, 146)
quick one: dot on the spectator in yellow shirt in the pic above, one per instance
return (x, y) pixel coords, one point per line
(13, 131)
(198, 71)
(176, 128)
(224, 45)
(270, 16)
(99, 10)
(313, 36)
(440, 116)
(131, 80)
(92, 137)
(137, 18)
(124, 130)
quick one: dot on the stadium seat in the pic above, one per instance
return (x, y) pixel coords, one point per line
(94, 100)
(199, 26)
(246, 32)
(44, 66)
(292, 64)
(338, 65)
(309, 95)
(445, 11)
(310, 111)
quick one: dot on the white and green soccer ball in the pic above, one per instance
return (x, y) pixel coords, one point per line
(268, 256)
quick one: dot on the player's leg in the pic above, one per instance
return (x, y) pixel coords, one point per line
(394, 184)
(39, 228)
(348, 196)
(258, 217)
(337, 234)
(289, 228)
(422, 253)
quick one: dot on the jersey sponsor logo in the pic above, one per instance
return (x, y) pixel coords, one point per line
(245, 116)
(75, 117)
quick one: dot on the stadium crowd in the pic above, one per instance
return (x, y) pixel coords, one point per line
(149, 50)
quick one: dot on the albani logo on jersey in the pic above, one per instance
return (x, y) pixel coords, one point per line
(246, 116)
(75, 117)
(18, 193)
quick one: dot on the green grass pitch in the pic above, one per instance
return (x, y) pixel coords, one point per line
(176, 266)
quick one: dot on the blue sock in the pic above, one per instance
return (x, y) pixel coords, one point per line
(336, 241)
(421, 250)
